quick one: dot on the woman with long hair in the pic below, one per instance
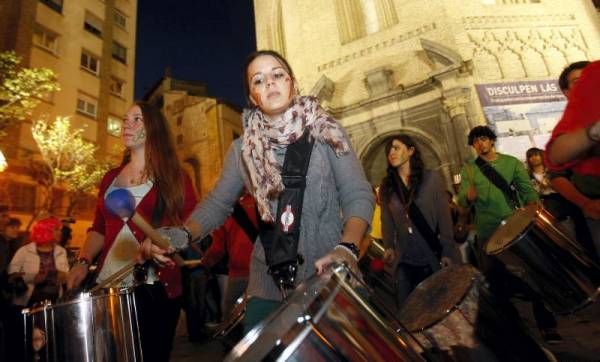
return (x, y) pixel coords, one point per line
(415, 217)
(163, 196)
(325, 222)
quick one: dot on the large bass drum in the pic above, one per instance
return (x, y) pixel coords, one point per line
(455, 317)
(95, 327)
(324, 320)
(539, 253)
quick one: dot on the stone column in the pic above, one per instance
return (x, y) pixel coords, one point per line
(458, 129)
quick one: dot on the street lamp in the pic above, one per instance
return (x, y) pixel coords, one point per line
(3, 163)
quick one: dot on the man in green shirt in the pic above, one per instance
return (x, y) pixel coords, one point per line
(492, 206)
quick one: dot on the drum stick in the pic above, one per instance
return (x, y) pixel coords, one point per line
(193, 262)
(117, 276)
(150, 232)
(470, 175)
(155, 236)
(121, 203)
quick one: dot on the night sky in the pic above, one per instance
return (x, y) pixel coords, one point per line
(200, 40)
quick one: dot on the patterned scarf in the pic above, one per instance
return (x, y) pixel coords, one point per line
(262, 137)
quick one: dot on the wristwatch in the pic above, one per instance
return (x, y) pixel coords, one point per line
(188, 233)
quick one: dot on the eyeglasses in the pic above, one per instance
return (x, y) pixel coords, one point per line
(261, 80)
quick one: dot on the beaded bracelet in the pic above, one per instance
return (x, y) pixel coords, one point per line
(351, 247)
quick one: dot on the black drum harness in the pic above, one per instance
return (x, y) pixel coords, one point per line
(509, 190)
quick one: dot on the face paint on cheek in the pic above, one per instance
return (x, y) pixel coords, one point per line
(140, 135)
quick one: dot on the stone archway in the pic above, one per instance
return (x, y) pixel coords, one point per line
(374, 160)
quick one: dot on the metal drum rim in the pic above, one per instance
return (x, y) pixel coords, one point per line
(81, 297)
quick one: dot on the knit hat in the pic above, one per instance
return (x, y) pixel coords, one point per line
(42, 231)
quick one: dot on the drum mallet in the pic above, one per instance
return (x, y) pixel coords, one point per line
(121, 202)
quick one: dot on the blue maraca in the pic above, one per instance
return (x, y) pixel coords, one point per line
(121, 203)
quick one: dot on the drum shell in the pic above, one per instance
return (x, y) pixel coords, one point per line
(99, 327)
(381, 282)
(324, 320)
(472, 325)
(552, 265)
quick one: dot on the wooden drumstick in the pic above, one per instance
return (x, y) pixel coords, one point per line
(193, 262)
(117, 276)
(120, 202)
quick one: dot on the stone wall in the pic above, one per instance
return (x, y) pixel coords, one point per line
(415, 70)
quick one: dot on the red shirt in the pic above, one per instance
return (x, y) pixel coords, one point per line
(109, 225)
(583, 109)
(232, 238)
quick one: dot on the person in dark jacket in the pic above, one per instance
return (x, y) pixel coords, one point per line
(415, 217)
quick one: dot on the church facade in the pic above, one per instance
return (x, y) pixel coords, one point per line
(383, 67)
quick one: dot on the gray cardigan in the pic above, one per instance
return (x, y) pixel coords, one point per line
(336, 189)
(412, 248)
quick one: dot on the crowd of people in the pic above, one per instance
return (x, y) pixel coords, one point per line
(292, 198)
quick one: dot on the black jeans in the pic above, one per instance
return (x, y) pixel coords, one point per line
(157, 319)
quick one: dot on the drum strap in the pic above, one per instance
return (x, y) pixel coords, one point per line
(280, 239)
(241, 217)
(509, 191)
(417, 218)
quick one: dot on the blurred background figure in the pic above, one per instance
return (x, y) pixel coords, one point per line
(376, 222)
(9, 242)
(235, 240)
(4, 216)
(66, 232)
(562, 209)
(42, 263)
(201, 294)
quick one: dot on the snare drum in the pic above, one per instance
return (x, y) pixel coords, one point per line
(93, 327)
(539, 253)
(324, 320)
(452, 313)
